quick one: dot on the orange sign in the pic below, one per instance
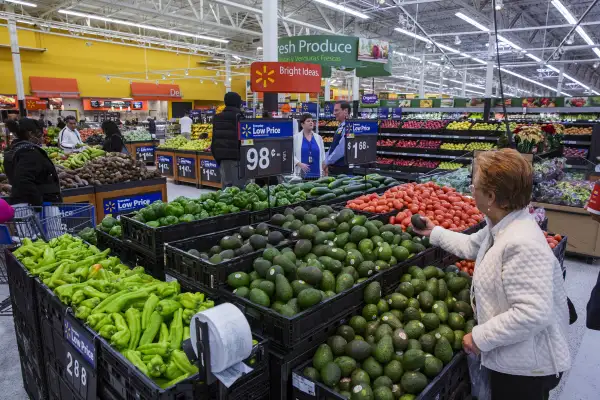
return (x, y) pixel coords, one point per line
(285, 77)
(35, 103)
(151, 91)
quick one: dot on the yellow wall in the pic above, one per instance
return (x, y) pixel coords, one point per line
(72, 58)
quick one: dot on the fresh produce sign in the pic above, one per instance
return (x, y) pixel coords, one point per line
(334, 252)
(424, 321)
(145, 153)
(266, 148)
(143, 318)
(165, 165)
(128, 204)
(361, 142)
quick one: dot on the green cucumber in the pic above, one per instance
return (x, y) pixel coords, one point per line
(327, 196)
(317, 191)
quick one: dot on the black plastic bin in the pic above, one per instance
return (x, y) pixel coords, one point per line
(22, 289)
(153, 239)
(117, 245)
(202, 272)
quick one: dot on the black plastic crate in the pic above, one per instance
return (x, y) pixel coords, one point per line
(453, 383)
(154, 264)
(29, 342)
(117, 246)
(22, 289)
(202, 272)
(34, 384)
(50, 307)
(153, 239)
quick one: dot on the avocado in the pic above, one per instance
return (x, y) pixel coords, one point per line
(413, 360)
(357, 220)
(431, 286)
(311, 372)
(399, 339)
(463, 308)
(372, 293)
(371, 327)
(262, 229)
(255, 283)
(359, 324)
(214, 250)
(298, 286)
(309, 297)
(442, 289)
(275, 237)
(370, 312)
(274, 271)
(277, 219)
(257, 241)
(372, 367)
(411, 314)
(353, 257)
(382, 306)
(458, 337)
(238, 279)
(443, 350)
(358, 350)
(319, 250)
(322, 357)
(289, 212)
(427, 341)
(345, 384)
(414, 329)
(425, 300)
(326, 224)
(383, 330)
(414, 303)
(283, 289)
(295, 225)
(344, 215)
(391, 320)
(261, 266)
(469, 325)
(445, 331)
(351, 271)
(242, 291)
(259, 297)
(398, 314)
(227, 254)
(464, 295)
(433, 366)
(268, 287)
(343, 282)
(418, 285)
(413, 382)
(277, 306)
(293, 304)
(441, 310)
(360, 377)
(362, 392)
(394, 371)
(456, 284)
(337, 345)
(307, 232)
(413, 344)
(384, 350)
(366, 269)
(342, 228)
(346, 332)
(358, 233)
(383, 381)
(331, 374)
(406, 278)
(430, 321)
(346, 364)
(456, 321)
(398, 301)
(310, 274)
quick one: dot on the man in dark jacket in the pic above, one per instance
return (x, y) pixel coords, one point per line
(225, 144)
(151, 126)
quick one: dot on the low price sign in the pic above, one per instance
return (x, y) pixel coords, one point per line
(186, 167)
(210, 171)
(266, 147)
(145, 153)
(80, 359)
(165, 165)
(285, 77)
(361, 142)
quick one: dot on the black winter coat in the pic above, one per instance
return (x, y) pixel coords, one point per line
(32, 174)
(152, 126)
(225, 141)
(113, 144)
(593, 308)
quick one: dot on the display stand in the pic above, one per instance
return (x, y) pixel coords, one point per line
(186, 167)
(165, 162)
(122, 198)
(210, 174)
(575, 222)
(86, 194)
(143, 150)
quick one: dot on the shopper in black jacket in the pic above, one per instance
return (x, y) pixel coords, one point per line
(113, 140)
(29, 170)
(151, 126)
(225, 144)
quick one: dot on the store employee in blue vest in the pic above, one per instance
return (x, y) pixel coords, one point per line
(334, 160)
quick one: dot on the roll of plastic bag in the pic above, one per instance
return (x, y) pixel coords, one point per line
(230, 338)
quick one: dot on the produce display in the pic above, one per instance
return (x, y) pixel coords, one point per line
(246, 240)
(453, 146)
(110, 225)
(578, 130)
(85, 133)
(548, 170)
(181, 143)
(51, 137)
(433, 125)
(406, 143)
(482, 126)
(334, 252)
(341, 186)
(412, 125)
(143, 318)
(467, 266)
(579, 117)
(459, 126)
(450, 165)
(459, 179)
(389, 124)
(201, 131)
(400, 342)
(401, 162)
(428, 144)
(76, 160)
(328, 123)
(5, 187)
(95, 140)
(567, 193)
(89, 235)
(553, 240)
(327, 139)
(173, 143)
(575, 152)
(409, 115)
(137, 136)
(480, 146)
(385, 143)
(476, 115)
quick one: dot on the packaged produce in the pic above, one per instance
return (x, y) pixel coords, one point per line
(334, 252)
(137, 136)
(551, 169)
(399, 342)
(459, 179)
(127, 307)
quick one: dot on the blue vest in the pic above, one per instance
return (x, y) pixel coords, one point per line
(337, 137)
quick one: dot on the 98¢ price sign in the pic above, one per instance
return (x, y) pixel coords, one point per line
(361, 142)
(79, 359)
(267, 148)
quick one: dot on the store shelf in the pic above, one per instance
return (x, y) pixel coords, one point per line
(404, 154)
(435, 136)
(578, 142)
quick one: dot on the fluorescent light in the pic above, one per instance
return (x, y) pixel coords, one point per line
(534, 58)
(593, 91)
(152, 28)
(236, 57)
(584, 36)
(409, 33)
(407, 55)
(552, 68)
(563, 10)
(259, 48)
(597, 51)
(531, 80)
(448, 48)
(480, 61)
(569, 77)
(345, 9)
(467, 84)
(21, 3)
(508, 42)
(471, 21)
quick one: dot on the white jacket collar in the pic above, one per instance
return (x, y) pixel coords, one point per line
(504, 222)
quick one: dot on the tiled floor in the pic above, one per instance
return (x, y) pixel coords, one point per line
(580, 383)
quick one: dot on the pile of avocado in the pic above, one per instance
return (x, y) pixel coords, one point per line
(400, 342)
(333, 252)
(246, 240)
(340, 186)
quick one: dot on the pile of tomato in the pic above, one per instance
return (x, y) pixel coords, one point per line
(553, 240)
(442, 205)
(466, 266)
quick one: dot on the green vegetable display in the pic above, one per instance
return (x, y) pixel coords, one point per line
(399, 343)
(137, 314)
(334, 252)
(137, 136)
(342, 186)
(110, 225)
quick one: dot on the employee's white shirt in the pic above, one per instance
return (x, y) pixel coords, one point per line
(68, 139)
(186, 124)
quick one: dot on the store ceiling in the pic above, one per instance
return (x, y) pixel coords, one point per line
(536, 27)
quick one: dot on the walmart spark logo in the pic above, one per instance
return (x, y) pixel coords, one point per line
(264, 76)
(68, 331)
(110, 207)
(246, 130)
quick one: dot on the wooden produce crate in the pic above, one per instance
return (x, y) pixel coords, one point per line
(86, 194)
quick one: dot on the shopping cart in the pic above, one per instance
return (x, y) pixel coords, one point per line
(46, 222)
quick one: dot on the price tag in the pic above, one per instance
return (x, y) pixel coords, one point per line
(79, 359)
(303, 384)
(144, 153)
(165, 165)
(210, 171)
(186, 167)
(266, 148)
(361, 142)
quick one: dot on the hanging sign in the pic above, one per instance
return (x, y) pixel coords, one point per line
(266, 148)
(361, 142)
(310, 108)
(397, 113)
(285, 77)
(369, 100)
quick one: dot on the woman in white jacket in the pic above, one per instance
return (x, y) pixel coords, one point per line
(309, 152)
(520, 301)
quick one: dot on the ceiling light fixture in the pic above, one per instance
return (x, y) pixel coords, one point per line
(572, 20)
(187, 72)
(534, 58)
(238, 58)
(21, 3)
(596, 65)
(499, 5)
(341, 8)
(457, 40)
(412, 34)
(471, 21)
(570, 39)
(152, 28)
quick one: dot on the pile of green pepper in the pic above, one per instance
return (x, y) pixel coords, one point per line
(142, 317)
